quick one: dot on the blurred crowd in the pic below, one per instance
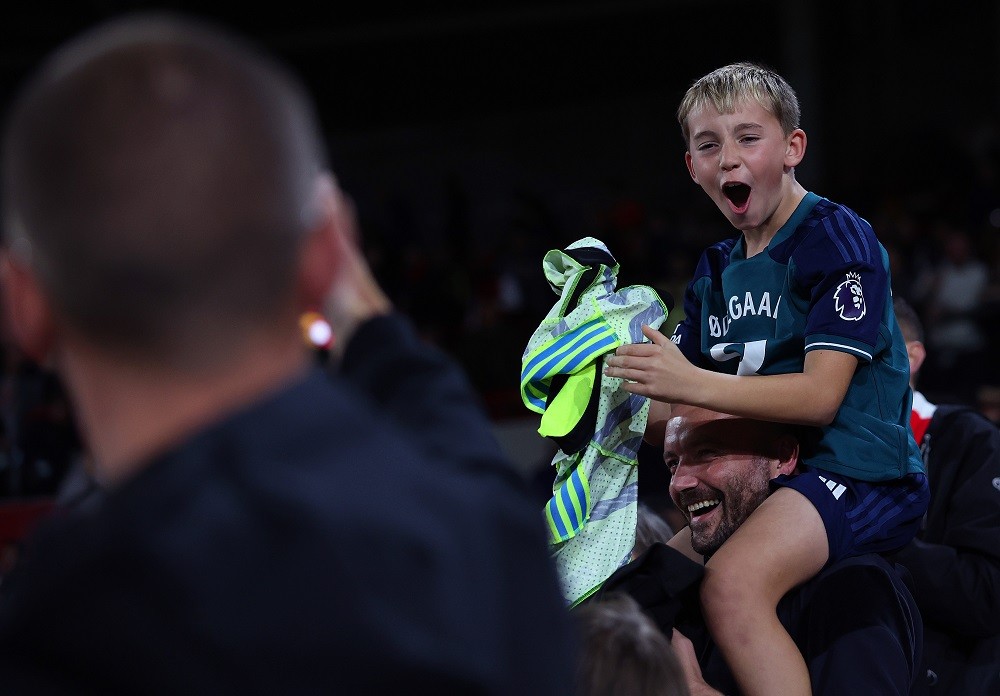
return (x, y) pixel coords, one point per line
(481, 300)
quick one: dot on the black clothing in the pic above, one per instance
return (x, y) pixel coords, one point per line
(360, 534)
(955, 560)
(856, 623)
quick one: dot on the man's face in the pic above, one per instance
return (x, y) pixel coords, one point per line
(720, 468)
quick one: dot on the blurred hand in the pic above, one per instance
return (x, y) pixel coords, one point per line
(354, 295)
(684, 650)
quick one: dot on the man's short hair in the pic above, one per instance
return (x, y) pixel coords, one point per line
(161, 173)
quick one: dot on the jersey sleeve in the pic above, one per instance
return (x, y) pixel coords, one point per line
(688, 332)
(844, 273)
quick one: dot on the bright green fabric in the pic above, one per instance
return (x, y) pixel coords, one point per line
(592, 514)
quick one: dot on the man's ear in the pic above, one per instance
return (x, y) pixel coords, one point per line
(318, 255)
(788, 454)
(796, 148)
(916, 353)
(29, 313)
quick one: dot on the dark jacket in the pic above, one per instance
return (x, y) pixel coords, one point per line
(955, 561)
(361, 534)
(856, 623)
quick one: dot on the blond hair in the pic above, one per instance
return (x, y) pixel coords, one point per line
(726, 87)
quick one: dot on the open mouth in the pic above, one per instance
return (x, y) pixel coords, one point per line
(702, 507)
(738, 195)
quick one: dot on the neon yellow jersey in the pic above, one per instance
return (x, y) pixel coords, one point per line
(597, 425)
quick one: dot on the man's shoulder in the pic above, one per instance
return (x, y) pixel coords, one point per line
(853, 594)
(858, 628)
(286, 544)
(873, 567)
(870, 569)
(966, 418)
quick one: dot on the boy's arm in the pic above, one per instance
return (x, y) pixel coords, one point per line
(660, 371)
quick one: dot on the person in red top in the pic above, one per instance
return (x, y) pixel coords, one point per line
(955, 559)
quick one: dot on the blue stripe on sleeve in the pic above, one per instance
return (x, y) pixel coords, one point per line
(833, 238)
(560, 344)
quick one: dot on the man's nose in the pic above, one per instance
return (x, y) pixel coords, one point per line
(682, 479)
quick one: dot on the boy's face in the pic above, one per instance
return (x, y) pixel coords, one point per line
(743, 162)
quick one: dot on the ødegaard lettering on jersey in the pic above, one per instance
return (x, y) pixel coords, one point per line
(746, 330)
(746, 356)
(849, 301)
(738, 308)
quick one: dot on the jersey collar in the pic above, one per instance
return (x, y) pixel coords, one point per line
(803, 209)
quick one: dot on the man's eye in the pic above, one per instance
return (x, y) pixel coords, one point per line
(671, 465)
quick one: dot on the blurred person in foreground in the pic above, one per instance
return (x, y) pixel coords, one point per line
(855, 624)
(955, 559)
(623, 652)
(269, 527)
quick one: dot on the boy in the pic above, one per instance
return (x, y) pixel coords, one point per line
(791, 321)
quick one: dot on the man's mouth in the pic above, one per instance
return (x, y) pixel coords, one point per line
(738, 196)
(702, 507)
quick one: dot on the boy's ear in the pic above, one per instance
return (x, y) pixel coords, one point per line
(689, 161)
(796, 148)
(28, 311)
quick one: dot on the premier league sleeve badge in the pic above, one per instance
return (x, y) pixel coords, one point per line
(849, 299)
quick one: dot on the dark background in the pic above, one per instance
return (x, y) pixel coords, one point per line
(474, 136)
(574, 101)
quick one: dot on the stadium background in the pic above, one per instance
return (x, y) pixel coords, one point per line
(476, 136)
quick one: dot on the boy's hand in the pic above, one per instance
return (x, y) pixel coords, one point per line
(658, 370)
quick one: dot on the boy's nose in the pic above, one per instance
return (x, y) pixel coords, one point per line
(728, 158)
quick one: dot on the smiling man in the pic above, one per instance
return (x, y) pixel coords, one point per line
(856, 624)
(720, 469)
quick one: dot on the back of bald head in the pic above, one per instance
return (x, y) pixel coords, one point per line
(909, 321)
(162, 174)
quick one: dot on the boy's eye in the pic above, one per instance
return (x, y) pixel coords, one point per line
(749, 139)
(705, 146)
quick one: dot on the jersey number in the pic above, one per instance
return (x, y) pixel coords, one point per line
(751, 357)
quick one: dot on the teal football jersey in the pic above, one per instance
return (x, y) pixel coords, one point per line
(822, 284)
